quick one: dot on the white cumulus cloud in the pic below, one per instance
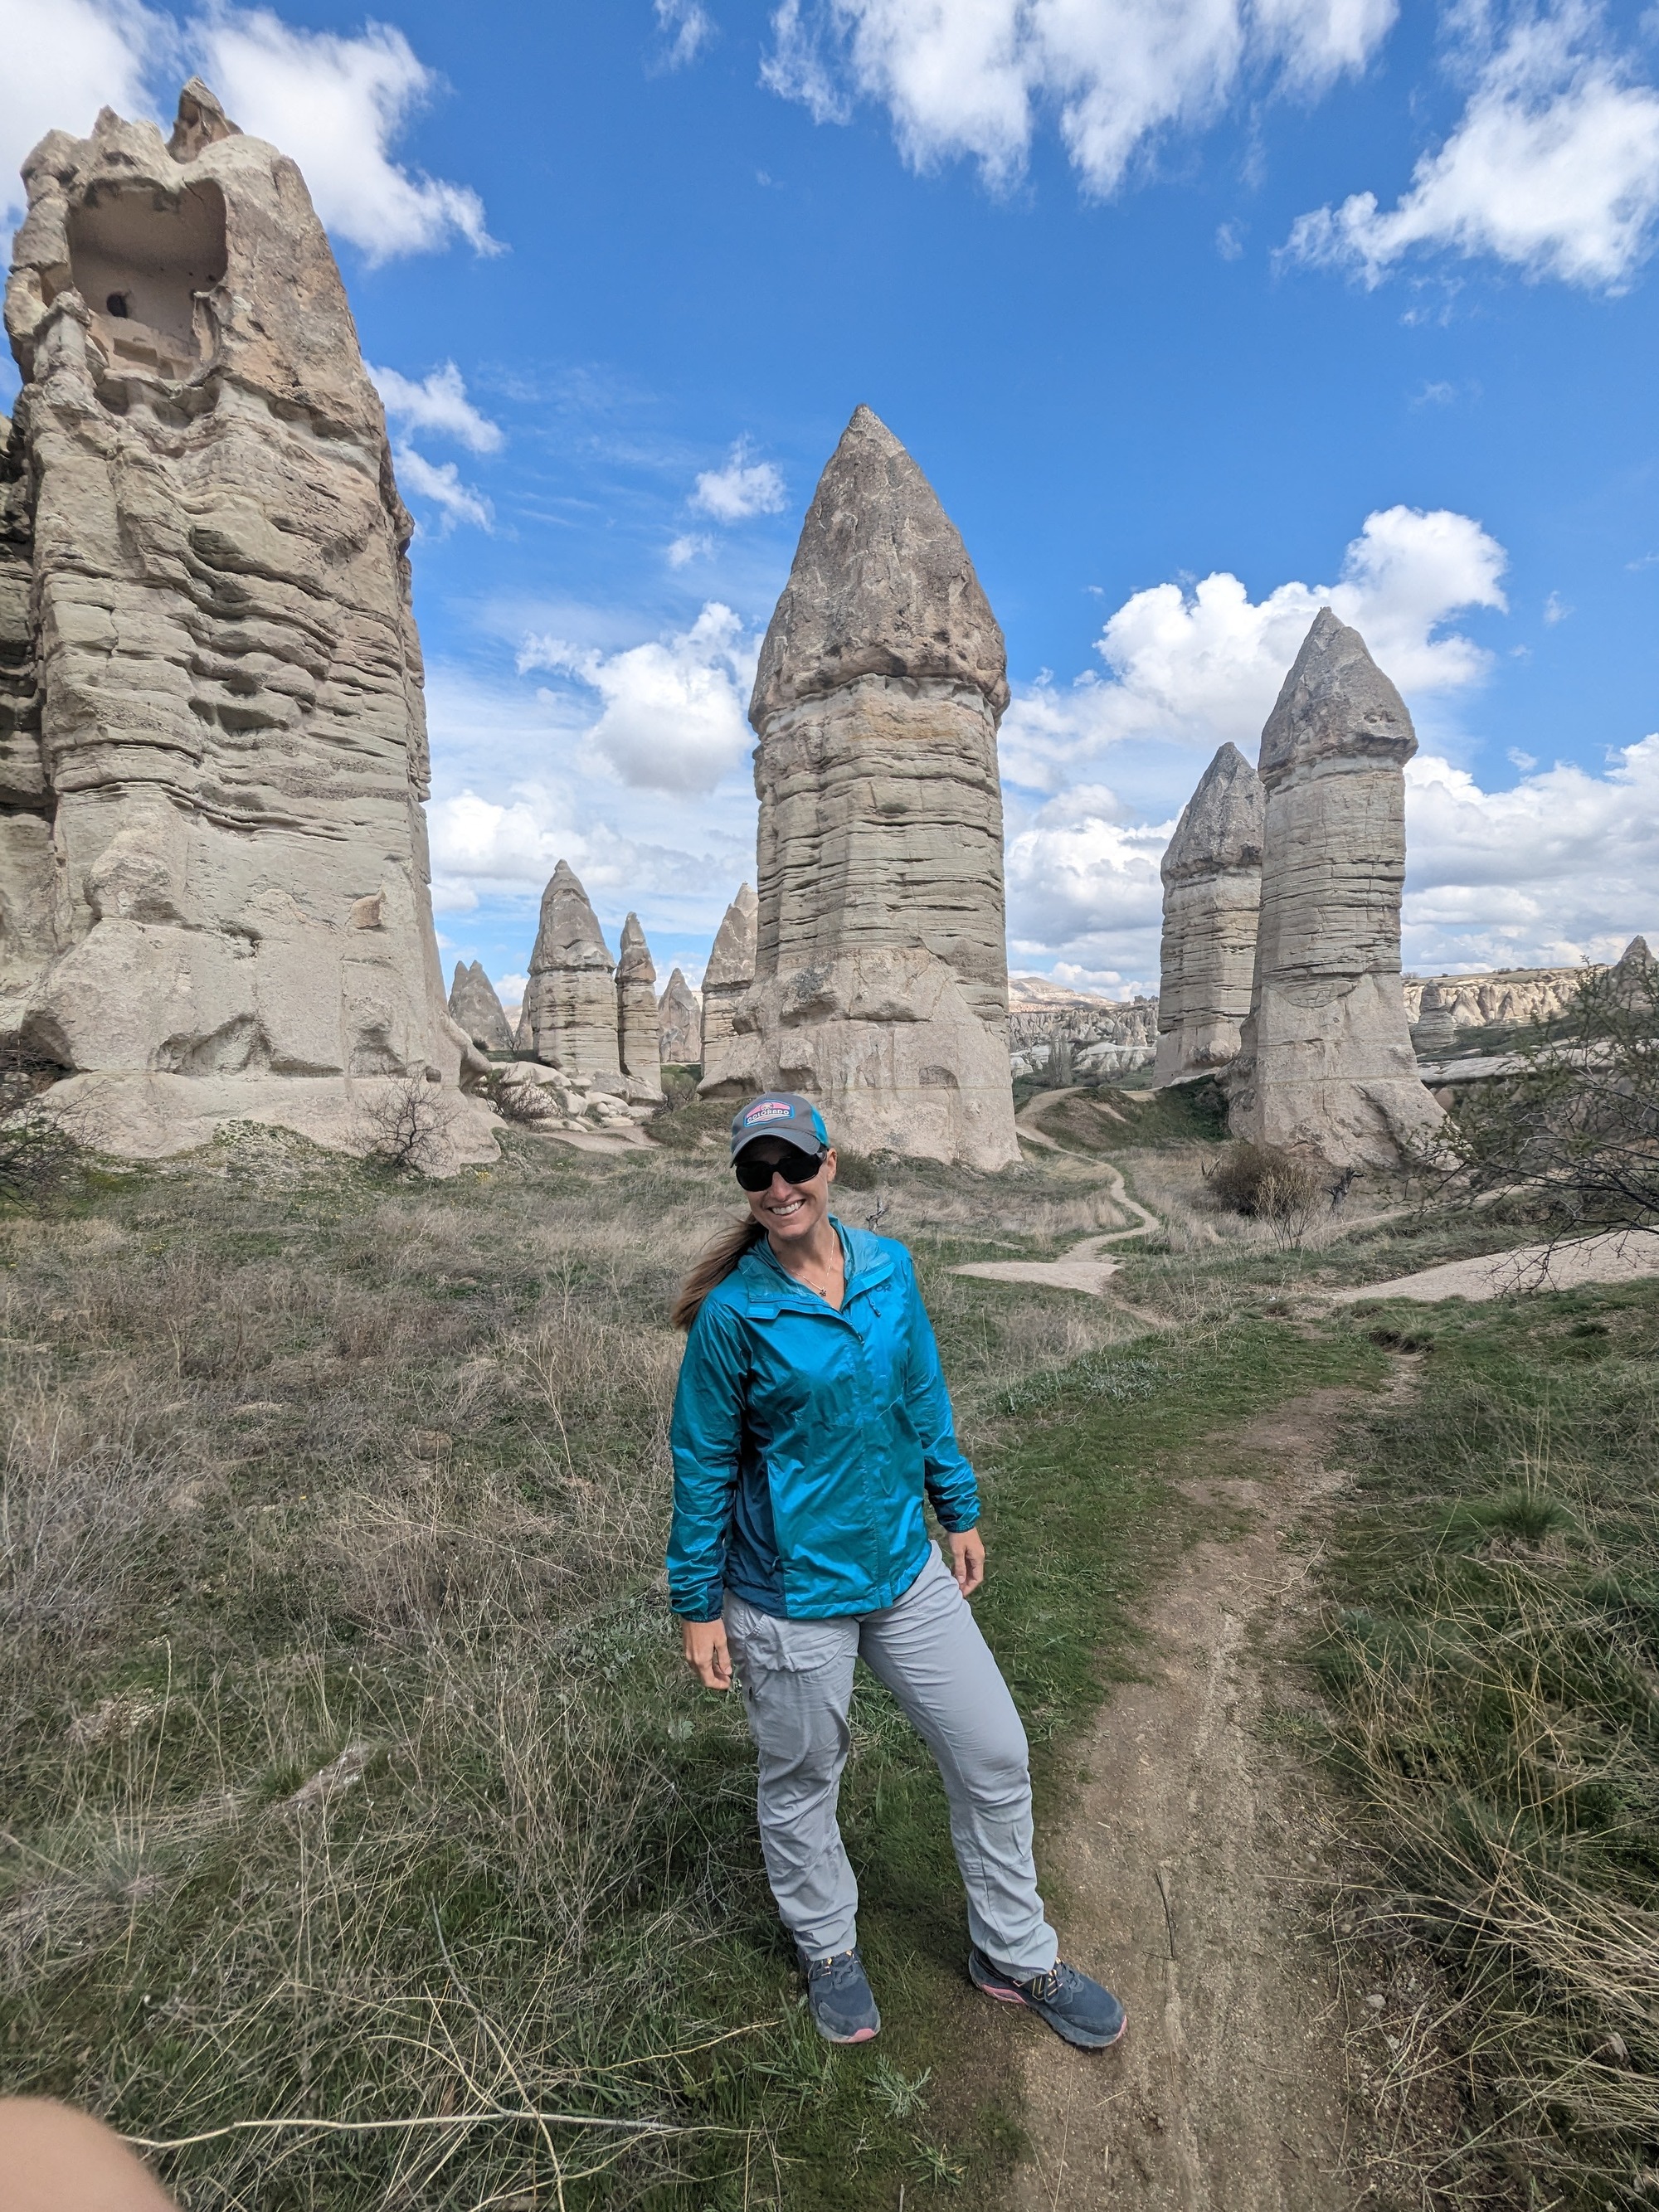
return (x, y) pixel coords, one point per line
(1203, 662)
(1562, 867)
(687, 28)
(437, 402)
(63, 60)
(339, 106)
(1553, 169)
(742, 488)
(1081, 877)
(440, 483)
(674, 716)
(971, 77)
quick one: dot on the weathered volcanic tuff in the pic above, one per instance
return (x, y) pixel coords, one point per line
(637, 1014)
(679, 1023)
(1212, 876)
(880, 978)
(475, 1008)
(568, 1018)
(725, 982)
(1326, 1061)
(213, 755)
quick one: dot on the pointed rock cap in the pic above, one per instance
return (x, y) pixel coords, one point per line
(881, 585)
(570, 936)
(1221, 824)
(633, 961)
(459, 977)
(202, 122)
(678, 989)
(732, 960)
(1636, 954)
(1335, 701)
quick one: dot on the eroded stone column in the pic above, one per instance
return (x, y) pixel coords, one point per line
(637, 1015)
(1325, 1063)
(881, 982)
(569, 1018)
(1212, 876)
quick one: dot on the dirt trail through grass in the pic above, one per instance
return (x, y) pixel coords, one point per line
(1185, 1864)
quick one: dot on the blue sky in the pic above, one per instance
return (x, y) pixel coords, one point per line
(627, 269)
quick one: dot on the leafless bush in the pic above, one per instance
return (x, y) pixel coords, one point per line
(1266, 1183)
(404, 1126)
(38, 1158)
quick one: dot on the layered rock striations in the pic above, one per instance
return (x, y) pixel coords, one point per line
(475, 1008)
(213, 757)
(679, 1023)
(1211, 874)
(1326, 1061)
(880, 976)
(568, 1018)
(725, 982)
(636, 1013)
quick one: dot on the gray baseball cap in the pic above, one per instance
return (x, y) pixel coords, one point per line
(783, 1113)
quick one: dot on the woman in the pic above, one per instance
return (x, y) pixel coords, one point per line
(810, 1417)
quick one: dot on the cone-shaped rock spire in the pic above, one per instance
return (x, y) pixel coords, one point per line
(474, 1005)
(679, 1023)
(1212, 876)
(1325, 1063)
(882, 586)
(569, 1017)
(636, 1012)
(725, 981)
(881, 983)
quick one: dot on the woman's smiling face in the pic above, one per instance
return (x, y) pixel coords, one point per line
(789, 1211)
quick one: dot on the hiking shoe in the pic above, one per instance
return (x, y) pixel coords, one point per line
(843, 2009)
(1077, 2008)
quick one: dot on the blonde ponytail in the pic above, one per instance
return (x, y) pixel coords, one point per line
(713, 1265)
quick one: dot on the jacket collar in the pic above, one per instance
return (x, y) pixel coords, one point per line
(767, 1282)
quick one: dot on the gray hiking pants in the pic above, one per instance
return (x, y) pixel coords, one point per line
(797, 1681)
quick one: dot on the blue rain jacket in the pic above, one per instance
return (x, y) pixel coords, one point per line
(803, 1439)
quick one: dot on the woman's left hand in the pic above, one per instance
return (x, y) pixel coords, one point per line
(967, 1560)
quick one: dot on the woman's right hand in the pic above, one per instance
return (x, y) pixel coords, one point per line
(706, 1653)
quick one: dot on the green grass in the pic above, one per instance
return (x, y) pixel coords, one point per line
(301, 1466)
(1493, 1666)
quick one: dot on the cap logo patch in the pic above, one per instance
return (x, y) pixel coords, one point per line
(770, 1109)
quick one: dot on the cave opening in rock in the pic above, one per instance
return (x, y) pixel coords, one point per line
(139, 260)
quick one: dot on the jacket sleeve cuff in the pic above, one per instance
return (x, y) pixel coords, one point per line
(702, 1610)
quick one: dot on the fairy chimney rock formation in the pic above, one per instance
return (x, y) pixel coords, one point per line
(637, 1015)
(214, 895)
(568, 1018)
(726, 980)
(1212, 876)
(474, 1007)
(1325, 1063)
(679, 1023)
(881, 984)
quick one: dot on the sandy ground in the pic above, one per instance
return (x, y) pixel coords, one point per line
(1616, 1258)
(1188, 1867)
(1082, 1268)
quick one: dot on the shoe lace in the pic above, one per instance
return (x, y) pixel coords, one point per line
(1045, 1988)
(841, 1967)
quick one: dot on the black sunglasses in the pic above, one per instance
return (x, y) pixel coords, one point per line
(795, 1166)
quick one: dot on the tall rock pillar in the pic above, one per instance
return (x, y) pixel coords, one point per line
(213, 892)
(475, 1007)
(569, 1018)
(1325, 1063)
(1212, 876)
(725, 981)
(881, 985)
(679, 1023)
(637, 1015)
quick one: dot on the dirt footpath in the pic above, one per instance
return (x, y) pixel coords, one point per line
(1190, 1868)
